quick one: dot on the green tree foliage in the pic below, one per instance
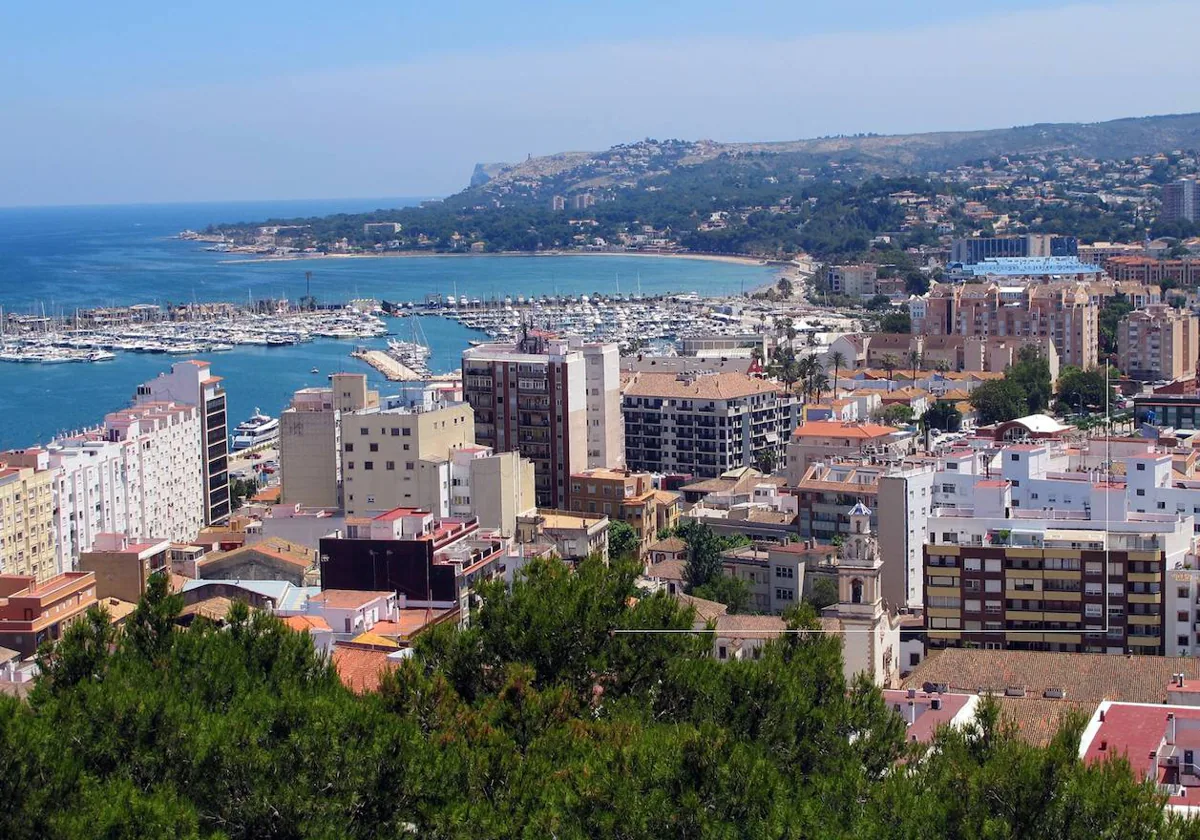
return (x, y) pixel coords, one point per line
(1084, 390)
(823, 593)
(1031, 373)
(704, 552)
(544, 718)
(999, 400)
(944, 416)
(896, 322)
(733, 592)
(1114, 309)
(895, 414)
(622, 540)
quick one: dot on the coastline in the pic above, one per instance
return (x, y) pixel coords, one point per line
(725, 258)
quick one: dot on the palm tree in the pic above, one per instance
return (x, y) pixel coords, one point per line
(838, 359)
(806, 369)
(914, 361)
(819, 383)
(889, 363)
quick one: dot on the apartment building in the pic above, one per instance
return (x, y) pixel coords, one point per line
(774, 573)
(552, 400)
(27, 514)
(1181, 201)
(822, 440)
(430, 562)
(33, 611)
(1158, 342)
(1060, 312)
(138, 474)
(393, 457)
(310, 439)
(853, 280)
(1183, 272)
(705, 424)
(997, 576)
(122, 567)
(628, 497)
(193, 383)
(495, 488)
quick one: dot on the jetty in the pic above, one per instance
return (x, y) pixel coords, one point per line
(389, 367)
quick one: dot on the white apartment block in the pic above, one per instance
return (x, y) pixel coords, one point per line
(139, 474)
(602, 383)
(705, 424)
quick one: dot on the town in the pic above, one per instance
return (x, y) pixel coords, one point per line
(981, 473)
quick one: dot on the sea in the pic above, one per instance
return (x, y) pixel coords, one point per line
(56, 259)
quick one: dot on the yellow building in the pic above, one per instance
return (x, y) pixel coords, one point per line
(27, 514)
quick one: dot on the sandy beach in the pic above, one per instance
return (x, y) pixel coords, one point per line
(725, 258)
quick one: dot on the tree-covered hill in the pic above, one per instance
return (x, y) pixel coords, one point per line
(539, 721)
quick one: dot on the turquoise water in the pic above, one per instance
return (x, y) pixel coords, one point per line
(56, 259)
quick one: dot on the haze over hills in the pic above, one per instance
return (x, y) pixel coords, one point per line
(889, 155)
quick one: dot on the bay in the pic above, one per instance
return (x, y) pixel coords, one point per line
(57, 259)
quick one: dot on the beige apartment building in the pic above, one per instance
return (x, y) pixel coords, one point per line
(627, 497)
(1060, 312)
(387, 455)
(1157, 342)
(27, 514)
(853, 280)
(310, 430)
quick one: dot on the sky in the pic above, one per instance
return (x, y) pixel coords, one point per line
(134, 101)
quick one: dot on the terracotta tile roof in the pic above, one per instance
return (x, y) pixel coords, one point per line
(1085, 677)
(712, 386)
(667, 570)
(1038, 719)
(705, 610)
(838, 429)
(306, 623)
(360, 667)
(671, 544)
(750, 626)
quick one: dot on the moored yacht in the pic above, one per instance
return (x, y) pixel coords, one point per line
(256, 431)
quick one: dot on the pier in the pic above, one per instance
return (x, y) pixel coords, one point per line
(389, 367)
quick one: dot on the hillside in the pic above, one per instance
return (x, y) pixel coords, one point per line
(833, 197)
(889, 155)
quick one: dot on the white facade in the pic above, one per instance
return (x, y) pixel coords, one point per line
(137, 475)
(605, 426)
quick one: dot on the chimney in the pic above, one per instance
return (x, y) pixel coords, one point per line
(1171, 729)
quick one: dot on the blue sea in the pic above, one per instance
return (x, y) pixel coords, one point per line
(55, 259)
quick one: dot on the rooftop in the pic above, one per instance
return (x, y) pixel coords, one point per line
(705, 386)
(838, 429)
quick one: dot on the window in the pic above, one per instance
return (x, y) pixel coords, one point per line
(349, 447)
(991, 586)
(785, 595)
(406, 432)
(374, 447)
(972, 564)
(349, 465)
(991, 565)
(362, 430)
(391, 465)
(1141, 467)
(1014, 457)
(785, 572)
(368, 465)
(408, 465)
(971, 586)
(972, 605)
(914, 659)
(395, 431)
(1182, 592)
(1141, 492)
(722, 653)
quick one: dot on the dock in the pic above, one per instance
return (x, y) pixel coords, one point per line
(389, 367)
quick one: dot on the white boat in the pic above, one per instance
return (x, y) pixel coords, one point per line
(258, 430)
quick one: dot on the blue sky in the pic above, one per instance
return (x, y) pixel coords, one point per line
(140, 101)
